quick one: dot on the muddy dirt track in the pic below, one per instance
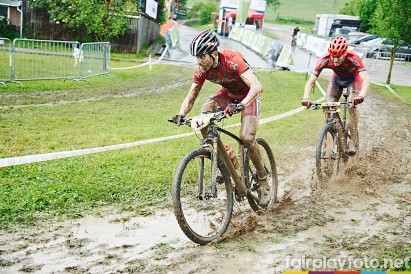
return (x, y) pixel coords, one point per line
(360, 214)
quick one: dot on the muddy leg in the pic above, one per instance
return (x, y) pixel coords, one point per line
(353, 128)
(247, 134)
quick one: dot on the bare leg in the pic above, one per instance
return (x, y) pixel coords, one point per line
(353, 128)
(353, 122)
(247, 134)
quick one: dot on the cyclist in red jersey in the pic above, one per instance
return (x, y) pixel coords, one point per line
(240, 92)
(348, 72)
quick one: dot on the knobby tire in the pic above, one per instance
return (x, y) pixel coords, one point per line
(271, 172)
(327, 153)
(202, 220)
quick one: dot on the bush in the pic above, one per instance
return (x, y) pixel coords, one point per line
(8, 31)
(203, 12)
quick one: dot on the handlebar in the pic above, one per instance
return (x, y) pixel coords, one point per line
(217, 116)
(316, 106)
(202, 120)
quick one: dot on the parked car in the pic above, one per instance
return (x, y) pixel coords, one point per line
(341, 31)
(370, 46)
(355, 35)
(364, 38)
(380, 48)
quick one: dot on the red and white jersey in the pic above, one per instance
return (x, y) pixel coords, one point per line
(351, 65)
(227, 74)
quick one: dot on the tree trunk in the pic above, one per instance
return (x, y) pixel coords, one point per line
(391, 65)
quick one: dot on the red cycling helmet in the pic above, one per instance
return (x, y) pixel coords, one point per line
(338, 46)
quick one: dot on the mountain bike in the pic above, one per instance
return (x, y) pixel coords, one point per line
(334, 139)
(203, 192)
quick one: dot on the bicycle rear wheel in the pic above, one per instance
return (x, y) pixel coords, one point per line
(202, 216)
(327, 154)
(271, 172)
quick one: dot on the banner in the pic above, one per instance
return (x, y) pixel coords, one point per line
(151, 8)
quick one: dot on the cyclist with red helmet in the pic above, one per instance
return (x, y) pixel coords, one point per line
(240, 92)
(348, 72)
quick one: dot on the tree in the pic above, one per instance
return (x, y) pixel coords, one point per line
(362, 8)
(366, 11)
(104, 19)
(351, 8)
(392, 20)
(202, 10)
(275, 4)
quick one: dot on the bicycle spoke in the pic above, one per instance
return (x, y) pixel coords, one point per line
(202, 215)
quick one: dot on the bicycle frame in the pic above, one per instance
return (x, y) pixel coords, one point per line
(206, 182)
(217, 147)
(333, 118)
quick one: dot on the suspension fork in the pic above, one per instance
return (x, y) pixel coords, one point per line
(244, 165)
(200, 179)
(342, 138)
(211, 141)
(214, 167)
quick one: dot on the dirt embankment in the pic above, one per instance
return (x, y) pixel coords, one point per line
(361, 214)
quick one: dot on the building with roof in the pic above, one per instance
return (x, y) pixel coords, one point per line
(12, 11)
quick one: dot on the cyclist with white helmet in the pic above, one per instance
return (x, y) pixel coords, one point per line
(240, 92)
(348, 72)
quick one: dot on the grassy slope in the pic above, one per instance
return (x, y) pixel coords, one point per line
(305, 9)
(296, 9)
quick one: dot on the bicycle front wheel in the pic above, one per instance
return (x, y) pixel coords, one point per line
(203, 214)
(327, 154)
(271, 173)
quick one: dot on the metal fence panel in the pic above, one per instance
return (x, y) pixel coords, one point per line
(94, 59)
(5, 68)
(380, 62)
(44, 59)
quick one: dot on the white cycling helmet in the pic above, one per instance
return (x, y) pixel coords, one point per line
(205, 42)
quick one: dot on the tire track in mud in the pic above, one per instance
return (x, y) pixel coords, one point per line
(138, 92)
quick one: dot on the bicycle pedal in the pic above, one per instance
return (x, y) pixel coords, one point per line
(237, 196)
(351, 153)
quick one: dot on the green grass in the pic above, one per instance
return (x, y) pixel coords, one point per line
(403, 91)
(128, 179)
(300, 13)
(304, 10)
(300, 10)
